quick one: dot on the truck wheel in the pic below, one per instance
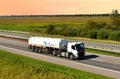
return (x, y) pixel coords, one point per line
(59, 54)
(71, 56)
(30, 48)
(33, 49)
(40, 50)
(46, 51)
(37, 49)
(50, 51)
(54, 53)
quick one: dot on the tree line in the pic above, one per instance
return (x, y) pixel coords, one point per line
(74, 15)
(92, 29)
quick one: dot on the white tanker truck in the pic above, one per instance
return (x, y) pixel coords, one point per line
(57, 47)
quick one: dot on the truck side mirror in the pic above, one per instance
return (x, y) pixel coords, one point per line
(73, 47)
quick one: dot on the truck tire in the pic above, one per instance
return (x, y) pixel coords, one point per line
(59, 54)
(40, 50)
(50, 51)
(71, 56)
(36, 49)
(46, 51)
(54, 53)
(30, 48)
(33, 49)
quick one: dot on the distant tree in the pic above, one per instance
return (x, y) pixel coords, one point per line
(115, 18)
(50, 28)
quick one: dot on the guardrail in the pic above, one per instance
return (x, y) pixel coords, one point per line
(117, 50)
(21, 32)
(18, 37)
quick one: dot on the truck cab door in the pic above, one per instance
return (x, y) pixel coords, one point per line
(73, 50)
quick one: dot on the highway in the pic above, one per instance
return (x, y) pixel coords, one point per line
(95, 63)
(88, 44)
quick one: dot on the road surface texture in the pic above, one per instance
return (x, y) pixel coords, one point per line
(95, 63)
(94, 45)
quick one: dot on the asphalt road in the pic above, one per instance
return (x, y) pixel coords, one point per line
(88, 44)
(100, 64)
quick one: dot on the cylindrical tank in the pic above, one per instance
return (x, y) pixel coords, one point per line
(48, 42)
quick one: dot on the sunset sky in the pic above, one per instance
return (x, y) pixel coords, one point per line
(49, 7)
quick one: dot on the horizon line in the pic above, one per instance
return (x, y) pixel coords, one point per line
(58, 14)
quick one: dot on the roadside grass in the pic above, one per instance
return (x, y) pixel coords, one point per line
(103, 52)
(37, 27)
(13, 66)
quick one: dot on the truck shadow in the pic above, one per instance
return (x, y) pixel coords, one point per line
(87, 57)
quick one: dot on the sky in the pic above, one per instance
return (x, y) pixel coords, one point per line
(53, 7)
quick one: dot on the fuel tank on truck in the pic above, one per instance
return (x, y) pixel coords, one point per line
(58, 43)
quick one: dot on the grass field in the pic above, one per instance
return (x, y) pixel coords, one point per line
(44, 20)
(40, 24)
(14, 66)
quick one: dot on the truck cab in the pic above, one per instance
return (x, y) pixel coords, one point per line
(76, 50)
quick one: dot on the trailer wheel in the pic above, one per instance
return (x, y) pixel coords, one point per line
(50, 51)
(46, 51)
(71, 56)
(33, 48)
(30, 48)
(36, 49)
(40, 50)
(54, 53)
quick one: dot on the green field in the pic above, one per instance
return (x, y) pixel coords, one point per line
(14, 66)
(47, 20)
(94, 27)
(37, 24)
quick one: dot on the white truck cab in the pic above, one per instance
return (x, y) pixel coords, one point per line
(76, 49)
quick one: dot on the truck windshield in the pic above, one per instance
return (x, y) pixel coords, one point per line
(79, 46)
